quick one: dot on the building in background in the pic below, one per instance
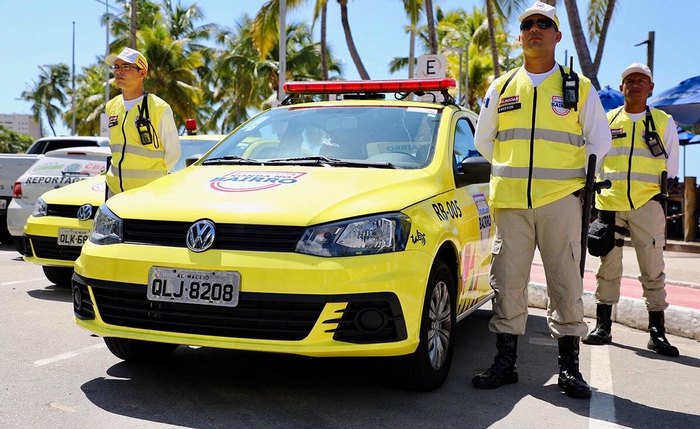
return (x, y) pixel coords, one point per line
(21, 123)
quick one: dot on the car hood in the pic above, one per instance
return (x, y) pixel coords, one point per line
(275, 195)
(88, 191)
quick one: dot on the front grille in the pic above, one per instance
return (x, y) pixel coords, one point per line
(263, 316)
(264, 238)
(66, 210)
(48, 247)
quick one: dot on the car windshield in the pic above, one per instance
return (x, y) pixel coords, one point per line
(395, 136)
(193, 148)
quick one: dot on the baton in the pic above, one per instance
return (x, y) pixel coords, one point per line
(590, 188)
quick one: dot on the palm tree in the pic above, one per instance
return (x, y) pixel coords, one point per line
(350, 42)
(414, 10)
(90, 100)
(48, 93)
(598, 19)
(432, 37)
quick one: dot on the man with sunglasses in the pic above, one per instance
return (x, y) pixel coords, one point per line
(645, 144)
(143, 136)
(537, 127)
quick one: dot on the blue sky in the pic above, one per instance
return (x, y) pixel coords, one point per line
(41, 32)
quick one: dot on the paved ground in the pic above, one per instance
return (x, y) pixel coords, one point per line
(682, 288)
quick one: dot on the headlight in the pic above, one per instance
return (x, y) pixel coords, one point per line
(40, 208)
(107, 227)
(364, 236)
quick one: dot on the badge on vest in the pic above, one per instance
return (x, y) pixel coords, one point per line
(558, 106)
(509, 103)
(617, 133)
(113, 121)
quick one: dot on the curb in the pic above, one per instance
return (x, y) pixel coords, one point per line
(681, 321)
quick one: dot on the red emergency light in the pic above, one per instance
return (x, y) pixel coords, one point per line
(368, 86)
(191, 126)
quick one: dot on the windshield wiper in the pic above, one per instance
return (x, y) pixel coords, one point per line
(230, 160)
(330, 162)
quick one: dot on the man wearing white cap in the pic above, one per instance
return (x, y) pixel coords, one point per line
(143, 136)
(645, 143)
(537, 127)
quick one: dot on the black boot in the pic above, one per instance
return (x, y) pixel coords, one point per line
(603, 327)
(503, 371)
(658, 342)
(570, 379)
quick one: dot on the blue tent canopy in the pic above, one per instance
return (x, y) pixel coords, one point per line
(682, 101)
(611, 98)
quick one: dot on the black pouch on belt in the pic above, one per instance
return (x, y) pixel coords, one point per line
(601, 234)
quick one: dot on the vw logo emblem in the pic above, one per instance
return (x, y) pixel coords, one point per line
(85, 212)
(201, 235)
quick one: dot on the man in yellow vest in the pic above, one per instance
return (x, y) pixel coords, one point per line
(537, 137)
(142, 133)
(645, 143)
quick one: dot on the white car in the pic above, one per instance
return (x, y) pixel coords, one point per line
(58, 168)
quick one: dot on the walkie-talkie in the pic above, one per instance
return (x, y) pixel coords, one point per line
(570, 89)
(143, 123)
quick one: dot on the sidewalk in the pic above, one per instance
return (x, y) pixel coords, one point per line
(682, 289)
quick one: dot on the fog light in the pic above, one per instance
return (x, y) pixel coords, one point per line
(77, 298)
(370, 320)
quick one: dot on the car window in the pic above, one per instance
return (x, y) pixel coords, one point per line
(464, 141)
(63, 144)
(397, 134)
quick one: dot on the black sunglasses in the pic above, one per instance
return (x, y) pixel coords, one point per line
(542, 23)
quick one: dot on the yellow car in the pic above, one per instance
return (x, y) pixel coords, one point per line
(356, 227)
(62, 218)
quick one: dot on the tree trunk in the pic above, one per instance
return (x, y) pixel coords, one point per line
(351, 44)
(584, 56)
(430, 17)
(412, 52)
(603, 34)
(492, 38)
(324, 51)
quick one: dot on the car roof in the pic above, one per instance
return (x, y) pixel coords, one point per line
(81, 150)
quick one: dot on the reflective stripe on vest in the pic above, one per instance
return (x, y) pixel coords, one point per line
(634, 172)
(539, 154)
(133, 164)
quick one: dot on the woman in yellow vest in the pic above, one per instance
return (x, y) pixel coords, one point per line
(143, 137)
(645, 143)
(538, 142)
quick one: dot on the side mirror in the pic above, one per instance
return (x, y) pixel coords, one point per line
(473, 170)
(191, 160)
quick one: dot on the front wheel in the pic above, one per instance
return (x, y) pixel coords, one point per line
(427, 368)
(60, 276)
(137, 350)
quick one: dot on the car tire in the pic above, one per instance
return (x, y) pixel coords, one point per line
(427, 368)
(60, 276)
(138, 351)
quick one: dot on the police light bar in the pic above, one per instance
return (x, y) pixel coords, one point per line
(367, 86)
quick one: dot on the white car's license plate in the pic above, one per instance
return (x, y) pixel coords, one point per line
(194, 286)
(72, 237)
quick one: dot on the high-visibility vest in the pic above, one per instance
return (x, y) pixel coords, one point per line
(134, 164)
(539, 155)
(634, 172)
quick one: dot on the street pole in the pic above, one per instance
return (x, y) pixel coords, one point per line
(466, 76)
(73, 84)
(107, 52)
(283, 50)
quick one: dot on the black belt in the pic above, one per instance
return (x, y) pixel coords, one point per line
(659, 197)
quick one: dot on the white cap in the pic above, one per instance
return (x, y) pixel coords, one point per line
(129, 55)
(636, 68)
(540, 8)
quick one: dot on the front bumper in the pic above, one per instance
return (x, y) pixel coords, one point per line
(289, 303)
(41, 240)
